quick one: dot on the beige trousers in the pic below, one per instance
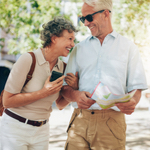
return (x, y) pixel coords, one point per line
(96, 130)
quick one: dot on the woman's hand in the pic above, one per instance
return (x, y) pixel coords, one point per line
(72, 80)
(53, 87)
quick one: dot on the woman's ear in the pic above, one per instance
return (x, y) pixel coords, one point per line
(53, 39)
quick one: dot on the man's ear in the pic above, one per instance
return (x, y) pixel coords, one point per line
(107, 14)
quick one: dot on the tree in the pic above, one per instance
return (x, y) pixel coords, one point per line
(132, 19)
(22, 19)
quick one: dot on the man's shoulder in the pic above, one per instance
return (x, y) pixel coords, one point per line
(80, 46)
(127, 43)
(125, 39)
(83, 42)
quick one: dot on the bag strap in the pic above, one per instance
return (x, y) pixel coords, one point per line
(29, 76)
(64, 67)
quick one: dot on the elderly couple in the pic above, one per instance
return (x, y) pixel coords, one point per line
(104, 56)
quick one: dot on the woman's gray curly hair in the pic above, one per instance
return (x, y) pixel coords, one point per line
(55, 27)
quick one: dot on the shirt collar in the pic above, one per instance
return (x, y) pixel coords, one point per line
(41, 60)
(113, 34)
(58, 64)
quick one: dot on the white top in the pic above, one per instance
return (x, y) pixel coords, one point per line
(39, 110)
(116, 63)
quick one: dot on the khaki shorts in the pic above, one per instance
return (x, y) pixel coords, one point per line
(96, 130)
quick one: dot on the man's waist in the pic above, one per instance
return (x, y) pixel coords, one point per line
(95, 107)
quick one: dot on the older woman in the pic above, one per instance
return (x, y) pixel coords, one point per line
(33, 102)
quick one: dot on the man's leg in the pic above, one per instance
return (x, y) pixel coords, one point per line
(96, 130)
(77, 133)
(109, 131)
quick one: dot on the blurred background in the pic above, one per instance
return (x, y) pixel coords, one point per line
(20, 24)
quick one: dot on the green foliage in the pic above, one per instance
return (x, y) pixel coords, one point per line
(22, 19)
(75, 1)
(1, 43)
(132, 19)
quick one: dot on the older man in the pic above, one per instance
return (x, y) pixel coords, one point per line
(108, 57)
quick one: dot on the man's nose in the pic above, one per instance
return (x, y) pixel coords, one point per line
(86, 23)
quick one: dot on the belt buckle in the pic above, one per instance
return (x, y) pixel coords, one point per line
(42, 122)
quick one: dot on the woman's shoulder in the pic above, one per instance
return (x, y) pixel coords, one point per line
(23, 62)
(25, 58)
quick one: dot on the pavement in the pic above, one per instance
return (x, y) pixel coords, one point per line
(138, 129)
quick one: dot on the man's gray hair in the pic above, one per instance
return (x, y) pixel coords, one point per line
(100, 4)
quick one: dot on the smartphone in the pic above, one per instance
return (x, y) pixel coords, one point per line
(55, 75)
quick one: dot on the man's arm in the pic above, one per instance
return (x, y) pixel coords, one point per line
(72, 80)
(81, 97)
(61, 103)
(129, 107)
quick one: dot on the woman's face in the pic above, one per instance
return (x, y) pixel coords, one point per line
(65, 43)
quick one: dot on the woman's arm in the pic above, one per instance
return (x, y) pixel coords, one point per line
(21, 99)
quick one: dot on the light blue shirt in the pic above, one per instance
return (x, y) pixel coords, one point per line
(116, 63)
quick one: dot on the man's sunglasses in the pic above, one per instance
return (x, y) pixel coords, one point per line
(89, 18)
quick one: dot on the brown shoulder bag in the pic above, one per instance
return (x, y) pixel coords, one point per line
(29, 77)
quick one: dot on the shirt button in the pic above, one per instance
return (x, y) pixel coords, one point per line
(92, 112)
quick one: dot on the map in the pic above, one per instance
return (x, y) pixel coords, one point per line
(105, 99)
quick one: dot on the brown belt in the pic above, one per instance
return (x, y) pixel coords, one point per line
(24, 120)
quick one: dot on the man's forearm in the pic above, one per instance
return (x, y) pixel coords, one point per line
(68, 93)
(61, 103)
(81, 97)
(137, 95)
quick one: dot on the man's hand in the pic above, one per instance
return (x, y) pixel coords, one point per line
(81, 97)
(83, 100)
(129, 107)
(72, 80)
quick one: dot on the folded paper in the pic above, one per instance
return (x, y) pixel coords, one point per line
(105, 99)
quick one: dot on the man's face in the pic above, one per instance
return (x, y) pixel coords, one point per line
(97, 25)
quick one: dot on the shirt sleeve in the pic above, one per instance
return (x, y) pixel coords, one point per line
(71, 65)
(136, 78)
(18, 74)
